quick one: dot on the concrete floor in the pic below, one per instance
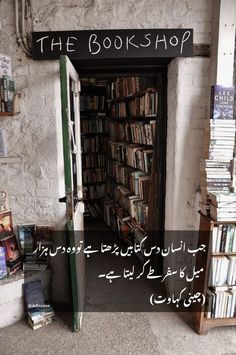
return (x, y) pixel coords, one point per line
(118, 333)
(164, 333)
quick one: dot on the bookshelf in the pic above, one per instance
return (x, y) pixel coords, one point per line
(203, 319)
(132, 106)
(94, 132)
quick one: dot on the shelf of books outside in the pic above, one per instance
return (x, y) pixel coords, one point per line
(220, 306)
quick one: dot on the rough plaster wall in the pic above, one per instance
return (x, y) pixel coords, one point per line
(36, 181)
(98, 14)
(188, 101)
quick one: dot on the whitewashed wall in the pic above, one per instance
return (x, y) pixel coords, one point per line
(34, 135)
(35, 180)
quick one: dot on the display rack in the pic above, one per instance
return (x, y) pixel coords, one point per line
(201, 322)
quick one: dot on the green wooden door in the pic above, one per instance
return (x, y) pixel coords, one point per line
(70, 87)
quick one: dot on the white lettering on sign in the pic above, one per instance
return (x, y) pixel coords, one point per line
(115, 42)
(107, 39)
(53, 44)
(185, 37)
(41, 44)
(148, 40)
(128, 41)
(93, 40)
(176, 41)
(69, 44)
(95, 43)
(161, 40)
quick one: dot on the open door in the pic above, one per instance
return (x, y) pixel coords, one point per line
(70, 88)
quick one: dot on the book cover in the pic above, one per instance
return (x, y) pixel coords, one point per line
(33, 293)
(3, 263)
(26, 236)
(4, 201)
(11, 247)
(6, 226)
(222, 102)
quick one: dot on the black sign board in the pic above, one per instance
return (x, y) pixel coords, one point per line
(109, 44)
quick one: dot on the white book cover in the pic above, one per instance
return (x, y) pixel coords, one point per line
(5, 65)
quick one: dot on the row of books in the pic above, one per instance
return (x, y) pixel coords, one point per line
(94, 192)
(7, 90)
(94, 175)
(120, 221)
(223, 206)
(131, 154)
(98, 125)
(222, 271)
(136, 207)
(92, 102)
(220, 304)
(10, 259)
(215, 176)
(133, 132)
(224, 238)
(135, 180)
(219, 139)
(125, 86)
(145, 106)
(94, 160)
(96, 144)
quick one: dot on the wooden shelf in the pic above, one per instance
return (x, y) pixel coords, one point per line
(133, 118)
(5, 114)
(203, 324)
(132, 96)
(223, 254)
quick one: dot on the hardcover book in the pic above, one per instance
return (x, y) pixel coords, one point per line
(11, 247)
(5, 223)
(26, 236)
(3, 263)
(34, 298)
(222, 102)
(4, 204)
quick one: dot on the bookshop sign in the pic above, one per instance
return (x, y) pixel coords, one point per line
(108, 44)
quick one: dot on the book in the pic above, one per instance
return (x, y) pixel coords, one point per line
(11, 247)
(6, 226)
(39, 313)
(44, 234)
(3, 263)
(4, 201)
(26, 237)
(222, 102)
(216, 197)
(33, 293)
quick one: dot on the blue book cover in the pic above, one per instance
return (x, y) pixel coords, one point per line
(222, 102)
(3, 263)
(34, 298)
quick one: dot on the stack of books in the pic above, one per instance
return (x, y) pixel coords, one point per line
(33, 239)
(216, 175)
(9, 243)
(3, 263)
(7, 90)
(224, 238)
(223, 206)
(13, 258)
(39, 313)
